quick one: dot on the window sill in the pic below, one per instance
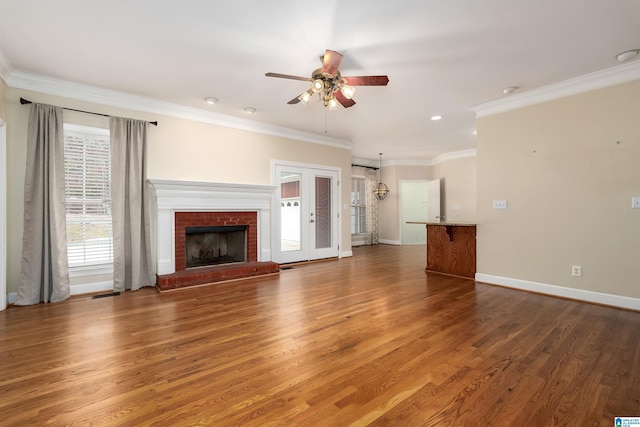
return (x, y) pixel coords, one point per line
(94, 270)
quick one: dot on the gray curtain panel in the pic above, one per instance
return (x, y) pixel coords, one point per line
(371, 203)
(130, 205)
(44, 276)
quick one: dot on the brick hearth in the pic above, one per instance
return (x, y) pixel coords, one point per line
(218, 273)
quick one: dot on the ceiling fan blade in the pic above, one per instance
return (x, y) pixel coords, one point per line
(330, 62)
(367, 80)
(287, 76)
(346, 102)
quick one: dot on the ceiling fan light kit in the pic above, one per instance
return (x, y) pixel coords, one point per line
(305, 97)
(347, 91)
(331, 87)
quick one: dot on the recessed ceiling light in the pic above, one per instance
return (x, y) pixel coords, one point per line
(510, 89)
(629, 54)
(249, 110)
(211, 100)
(436, 117)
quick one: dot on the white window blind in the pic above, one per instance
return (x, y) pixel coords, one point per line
(358, 207)
(87, 154)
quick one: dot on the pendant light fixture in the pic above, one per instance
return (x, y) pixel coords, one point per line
(381, 189)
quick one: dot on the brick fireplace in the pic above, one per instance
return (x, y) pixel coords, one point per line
(186, 207)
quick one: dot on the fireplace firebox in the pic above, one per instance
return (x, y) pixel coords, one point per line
(214, 245)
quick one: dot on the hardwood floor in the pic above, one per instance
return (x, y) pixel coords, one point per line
(367, 340)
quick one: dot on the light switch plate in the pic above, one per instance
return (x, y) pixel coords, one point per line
(635, 202)
(499, 204)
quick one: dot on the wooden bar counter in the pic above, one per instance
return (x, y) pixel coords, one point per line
(451, 248)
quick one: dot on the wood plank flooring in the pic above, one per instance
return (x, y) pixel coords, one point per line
(367, 340)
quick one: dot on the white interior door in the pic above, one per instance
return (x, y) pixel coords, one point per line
(306, 214)
(433, 197)
(413, 208)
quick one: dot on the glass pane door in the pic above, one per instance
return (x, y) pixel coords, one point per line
(290, 211)
(323, 212)
(307, 223)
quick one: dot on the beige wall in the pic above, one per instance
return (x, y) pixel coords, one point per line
(178, 149)
(459, 191)
(459, 188)
(568, 169)
(3, 90)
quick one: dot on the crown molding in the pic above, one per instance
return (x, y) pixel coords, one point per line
(407, 162)
(454, 155)
(36, 83)
(598, 80)
(5, 67)
(365, 162)
(418, 162)
(392, 162)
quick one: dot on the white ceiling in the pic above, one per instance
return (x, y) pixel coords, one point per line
(442, 57)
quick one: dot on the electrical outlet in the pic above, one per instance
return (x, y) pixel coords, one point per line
(576, 270)
(635, 202)
(499, 204)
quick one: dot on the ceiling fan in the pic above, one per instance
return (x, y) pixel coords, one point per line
(331, 87)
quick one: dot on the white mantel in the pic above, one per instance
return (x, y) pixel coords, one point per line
(169, 197)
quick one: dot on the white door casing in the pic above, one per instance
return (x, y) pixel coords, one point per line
(3, 215)
(433, 205)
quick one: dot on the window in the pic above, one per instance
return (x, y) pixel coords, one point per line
(358, 207)
(87, 168)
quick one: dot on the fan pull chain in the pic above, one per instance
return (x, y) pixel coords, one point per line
(325, 119)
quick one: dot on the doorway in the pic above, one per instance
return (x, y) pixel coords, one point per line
(306, 212)
(413, 207)
(419, 202)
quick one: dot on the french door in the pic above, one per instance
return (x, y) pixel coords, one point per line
(306, 214)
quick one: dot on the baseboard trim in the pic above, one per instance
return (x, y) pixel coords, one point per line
(344, 254)
(390, 242)
(561, 291)
(84, 288)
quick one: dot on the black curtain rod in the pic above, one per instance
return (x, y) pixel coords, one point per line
(363, 166)
(26, 101)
